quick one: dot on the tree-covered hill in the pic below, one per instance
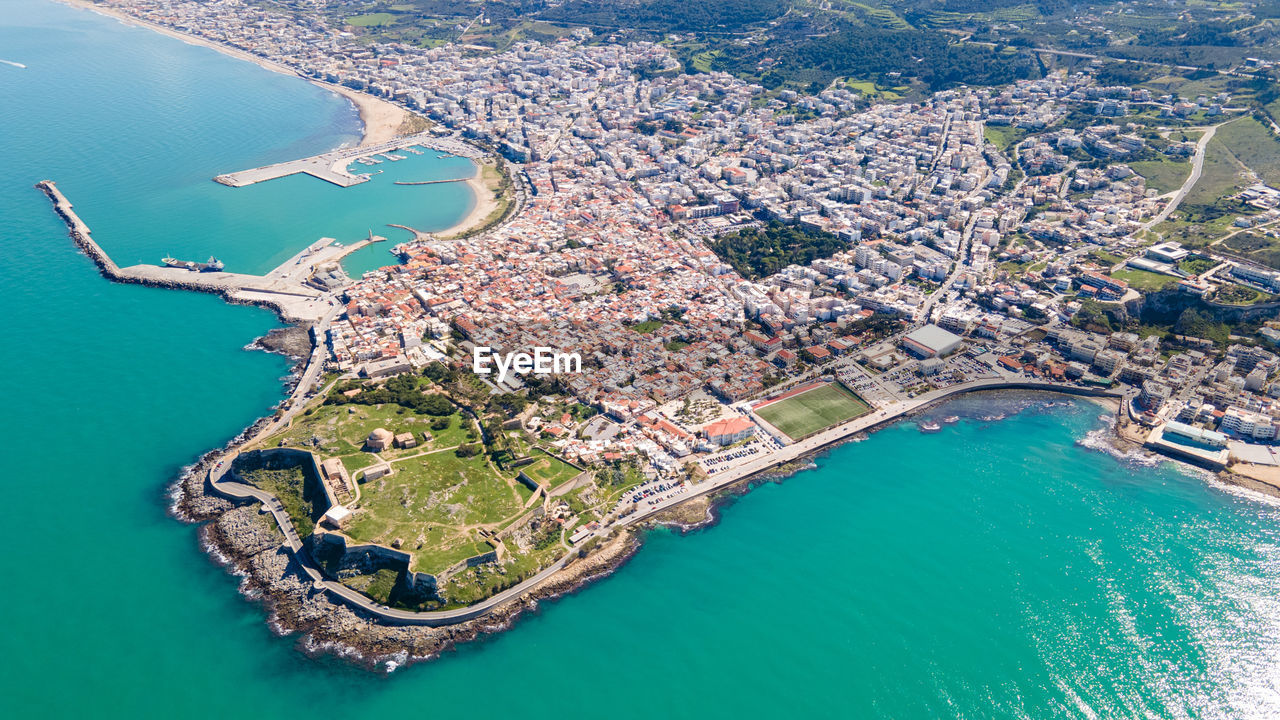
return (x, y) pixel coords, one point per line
(760, 252)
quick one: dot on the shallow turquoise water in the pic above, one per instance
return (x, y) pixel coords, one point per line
(996, 569)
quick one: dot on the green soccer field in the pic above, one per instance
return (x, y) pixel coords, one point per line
(817, 409)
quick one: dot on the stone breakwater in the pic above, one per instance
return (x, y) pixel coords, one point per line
(292, 302)
(78, 231)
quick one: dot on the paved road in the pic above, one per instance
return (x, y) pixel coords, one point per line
(341, 592)
(1091, 56)
(962, 263)
(233, 488)
(883, 416)
(1197, 166)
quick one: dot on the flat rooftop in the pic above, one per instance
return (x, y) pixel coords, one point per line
(934, 338)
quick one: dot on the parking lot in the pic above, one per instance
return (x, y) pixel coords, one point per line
(719, 461)
(652, 493)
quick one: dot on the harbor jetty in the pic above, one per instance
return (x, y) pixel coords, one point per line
(332, 166)
(430, 182)
(298, 289)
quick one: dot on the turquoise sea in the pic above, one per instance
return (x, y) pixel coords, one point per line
(997, 569)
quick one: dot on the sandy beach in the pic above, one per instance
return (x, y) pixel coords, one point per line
(381, 119)
(1108, 403)
(485, 204)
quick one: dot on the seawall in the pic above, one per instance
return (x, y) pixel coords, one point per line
(769, 465)
(825, 440)
(154, 276)
(79, 231)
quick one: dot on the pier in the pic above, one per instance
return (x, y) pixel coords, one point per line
(431, 182)
(332, 166)
(286, 289)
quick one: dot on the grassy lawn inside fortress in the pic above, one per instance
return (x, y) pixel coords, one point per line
(813, 410)
(301, 495)
(549, 471)
(433, 505)
(341, 430)
(436, 502)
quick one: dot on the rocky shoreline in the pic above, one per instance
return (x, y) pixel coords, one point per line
(292, 341)
(245, 542)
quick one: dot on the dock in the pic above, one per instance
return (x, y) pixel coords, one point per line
(431, 182)
(286, 289)
(332, 166)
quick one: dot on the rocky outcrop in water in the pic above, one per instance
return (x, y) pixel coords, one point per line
(294, 341)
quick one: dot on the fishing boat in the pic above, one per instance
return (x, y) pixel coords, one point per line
(951, 419)
(213, 264)
(929, 426)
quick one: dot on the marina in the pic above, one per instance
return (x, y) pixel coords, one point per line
(332, 166)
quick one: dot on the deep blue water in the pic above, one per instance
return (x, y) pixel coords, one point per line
(996, 569)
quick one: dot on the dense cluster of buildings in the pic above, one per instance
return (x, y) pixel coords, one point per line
(631, 169)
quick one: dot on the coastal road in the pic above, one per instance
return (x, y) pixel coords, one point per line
(242, 491)
(888, 414)
(232, 488)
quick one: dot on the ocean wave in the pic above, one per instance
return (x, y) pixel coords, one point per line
(1102, 440)
(175, 493)
(1241, 492)
(216, 554)
(394, 661)
(315, 648)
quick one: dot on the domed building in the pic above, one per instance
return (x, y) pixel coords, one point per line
(378, 440)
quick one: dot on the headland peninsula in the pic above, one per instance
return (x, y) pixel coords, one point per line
(749, 277)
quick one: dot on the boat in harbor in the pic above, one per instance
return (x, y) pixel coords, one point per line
(951, 419)
(929, 426)
(212, 265)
